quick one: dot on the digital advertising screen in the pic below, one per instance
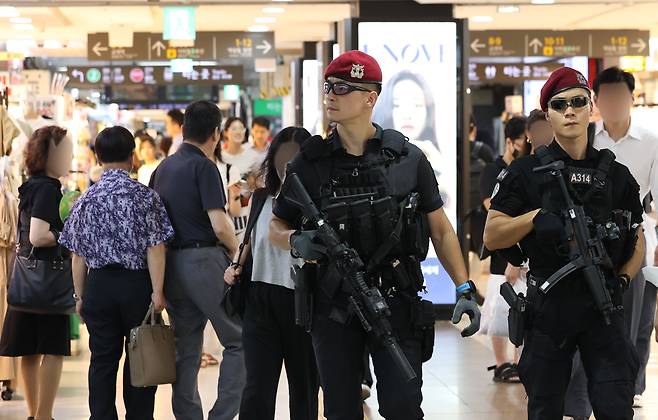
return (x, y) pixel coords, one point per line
(419, 99)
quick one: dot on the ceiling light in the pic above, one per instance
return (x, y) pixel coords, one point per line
(24, 27)
(52, 44)
(8, 11)
(543, 1)
(274, 10)
(258, 28)
(481, 19)
(20, 20)
(508, 9)
(265, 19)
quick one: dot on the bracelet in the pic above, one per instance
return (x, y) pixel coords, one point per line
(468, 287)
(55, 235)
(625, 280)
(76, 298)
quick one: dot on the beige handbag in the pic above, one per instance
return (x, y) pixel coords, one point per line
(152, 353)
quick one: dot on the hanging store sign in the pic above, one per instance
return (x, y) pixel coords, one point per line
(595, 43)
(510, 73)
(206, 46)
(86, 76)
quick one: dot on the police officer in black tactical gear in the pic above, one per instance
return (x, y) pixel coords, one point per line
(380, 194)
(581, 308)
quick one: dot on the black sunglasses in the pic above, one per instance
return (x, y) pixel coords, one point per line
(561, 105)
(342, 88)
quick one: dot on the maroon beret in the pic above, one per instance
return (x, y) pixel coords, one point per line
(355, 66)
(560, 80)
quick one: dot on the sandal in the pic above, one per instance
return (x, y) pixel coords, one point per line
(505, 373)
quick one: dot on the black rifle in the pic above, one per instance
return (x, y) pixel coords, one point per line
(366, 301)
(586, 253)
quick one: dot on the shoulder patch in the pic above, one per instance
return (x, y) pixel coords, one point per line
(495, 190)
(501, 176)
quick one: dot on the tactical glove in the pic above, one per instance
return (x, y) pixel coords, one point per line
(467, 305)
(306, 245)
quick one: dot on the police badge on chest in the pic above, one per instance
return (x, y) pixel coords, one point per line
(580, 176)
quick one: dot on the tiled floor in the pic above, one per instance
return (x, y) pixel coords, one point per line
(456, 387)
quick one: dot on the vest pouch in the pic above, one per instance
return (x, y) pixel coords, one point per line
(415, 272)
(384, 212)
(338, 215)
(365, 238)
(416, 235)
(424, 319)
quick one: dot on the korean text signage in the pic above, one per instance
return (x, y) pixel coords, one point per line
(206, 46)
(86, 76)
(510, 73)
(596, 43)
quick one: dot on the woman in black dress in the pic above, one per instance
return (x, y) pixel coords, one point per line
(41, 340)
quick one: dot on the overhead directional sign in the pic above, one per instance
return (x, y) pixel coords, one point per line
(87, 76)
(206, 46)
(595, 43)
(510, 72)
(179, 23)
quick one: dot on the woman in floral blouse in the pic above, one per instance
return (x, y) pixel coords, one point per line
(117, 232)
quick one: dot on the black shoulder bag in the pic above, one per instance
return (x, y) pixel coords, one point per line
(235, 297)
(41, 286)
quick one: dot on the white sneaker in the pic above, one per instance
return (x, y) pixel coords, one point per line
(637, 401)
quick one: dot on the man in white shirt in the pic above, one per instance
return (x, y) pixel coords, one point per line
(174, 128)
(636, 148)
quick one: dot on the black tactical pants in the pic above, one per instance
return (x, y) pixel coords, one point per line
(339, 349)
(610, 362)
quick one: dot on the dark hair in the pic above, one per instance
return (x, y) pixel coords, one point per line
(230, 121)
(297, 134)
(535, 116)
(36, 152)
(201, 120)
(145, 138)
(614, 75)
(114, 144)
(383, 114)
(176, 116)
(515, 128)
(261, 122)
(165, 145)
(218, 153)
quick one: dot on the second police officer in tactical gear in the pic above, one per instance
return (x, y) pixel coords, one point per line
(367, 181)
(528, 206)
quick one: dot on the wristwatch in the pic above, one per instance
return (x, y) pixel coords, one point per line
(76, 298)
(467, 288)
(625, 281)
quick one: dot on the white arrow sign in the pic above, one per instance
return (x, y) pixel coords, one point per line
(536, 44)
(265, 47)
(640, 45)
(97, 49)
(159, 47)
(475, 45)
(78, 75)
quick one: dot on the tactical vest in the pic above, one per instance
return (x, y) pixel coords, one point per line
(592, 189)
(374, 208)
